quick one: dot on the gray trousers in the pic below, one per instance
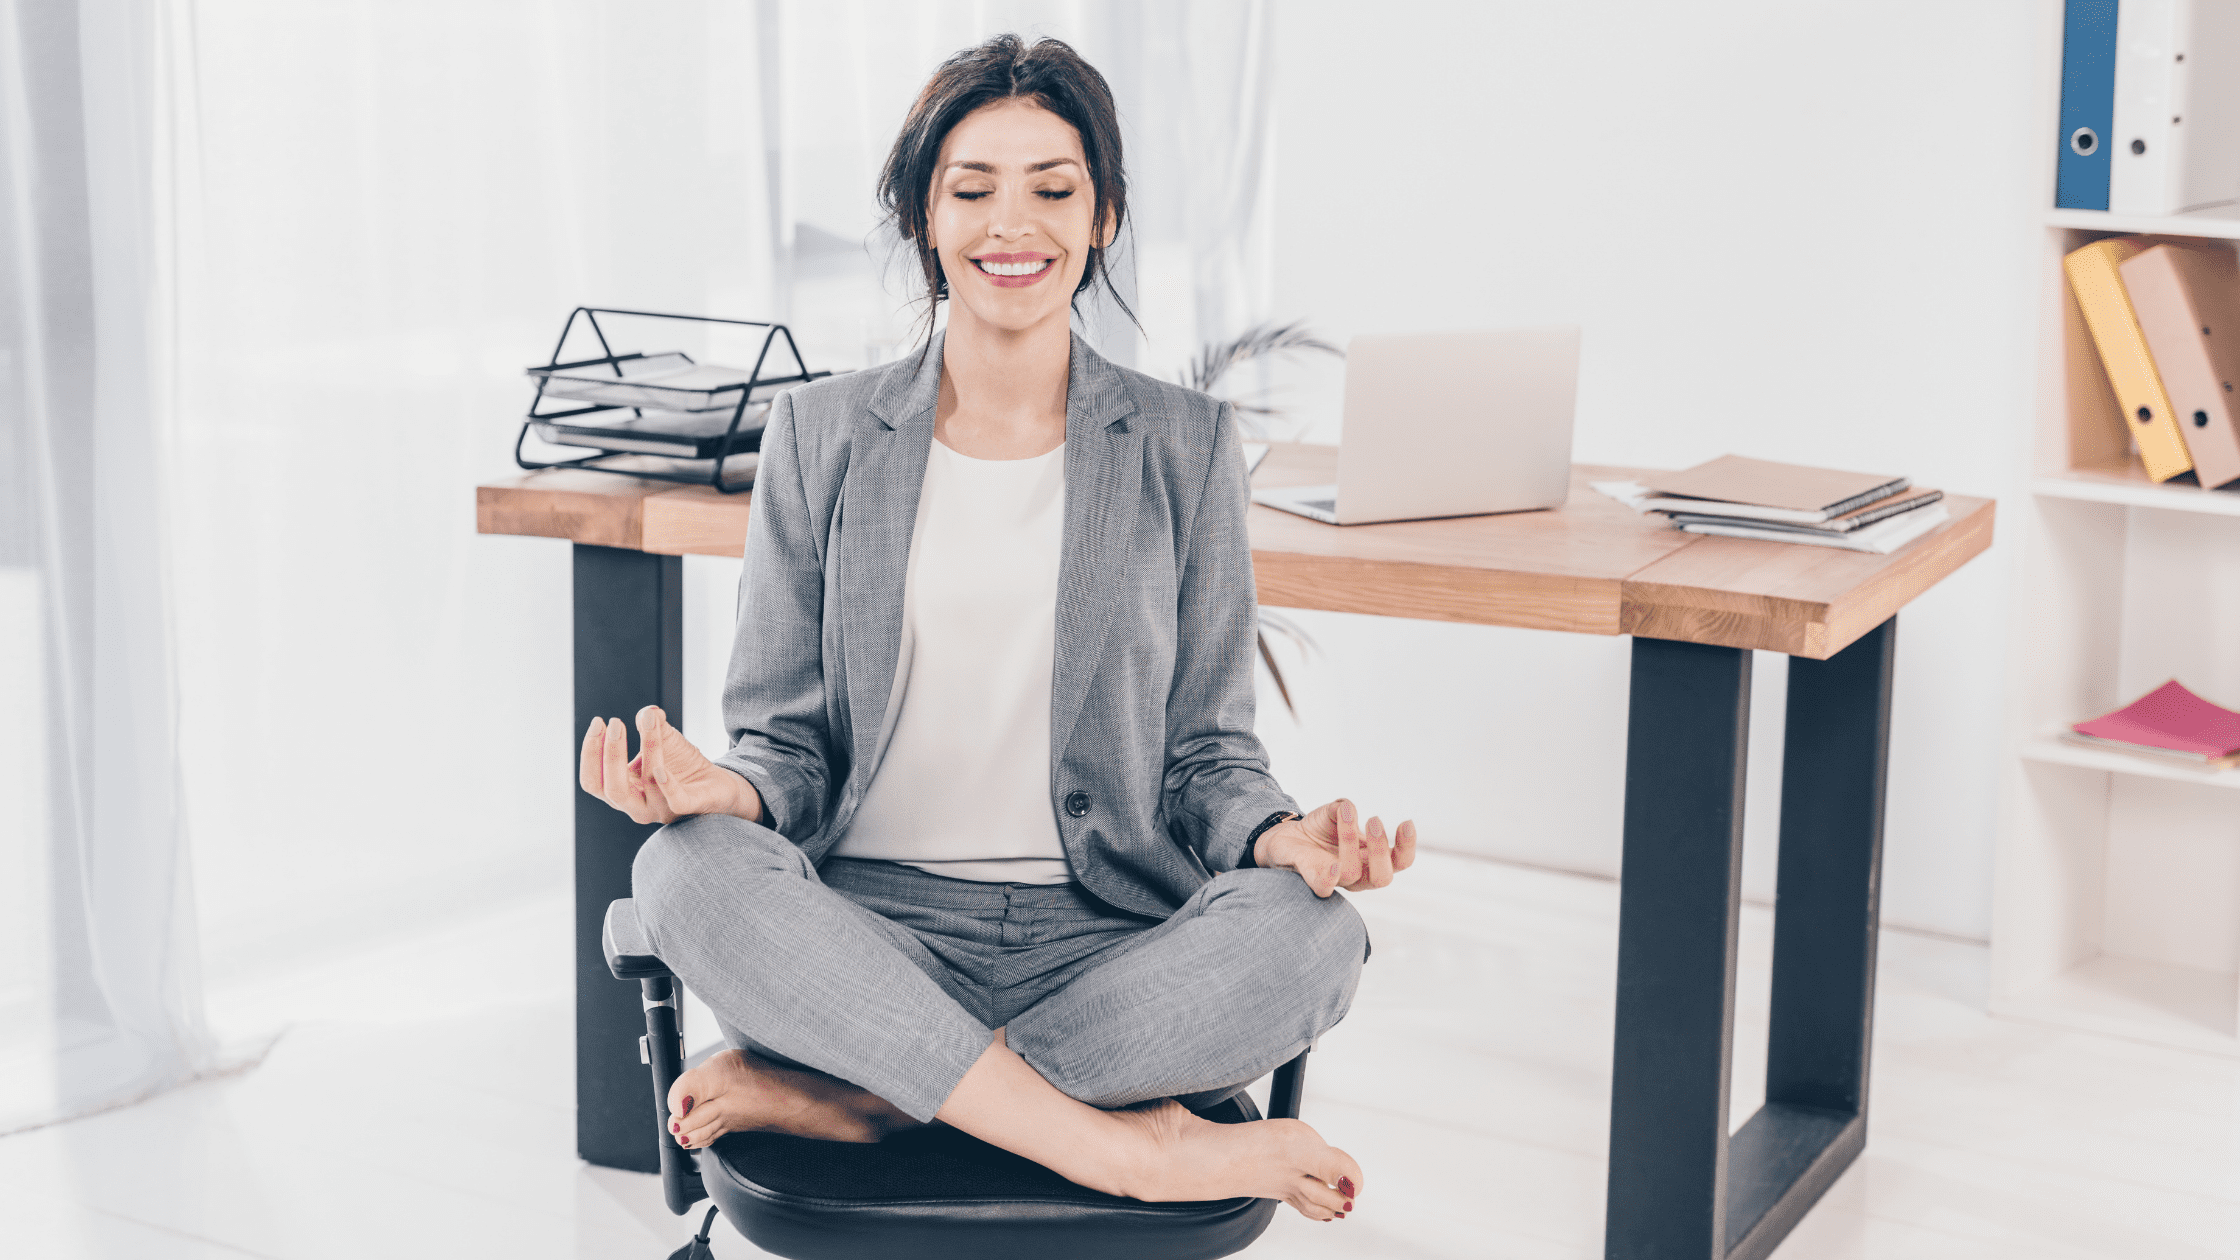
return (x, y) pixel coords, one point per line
(895, 980)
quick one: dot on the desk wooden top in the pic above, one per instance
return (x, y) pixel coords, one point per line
(1592, 567)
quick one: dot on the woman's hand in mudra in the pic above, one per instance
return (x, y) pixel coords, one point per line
(668, 779)
(1331, 850)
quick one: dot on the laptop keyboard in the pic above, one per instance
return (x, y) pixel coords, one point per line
(1321, 505)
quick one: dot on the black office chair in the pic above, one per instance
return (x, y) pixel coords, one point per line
(927, 1192)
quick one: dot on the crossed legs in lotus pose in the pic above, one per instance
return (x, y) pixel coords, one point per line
(1082, 1081)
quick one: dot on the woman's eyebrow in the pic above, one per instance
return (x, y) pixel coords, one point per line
(990, 169)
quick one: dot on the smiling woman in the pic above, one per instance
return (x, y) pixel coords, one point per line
(929, 171)
(995, 843)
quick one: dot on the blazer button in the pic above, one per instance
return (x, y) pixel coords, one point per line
(1077, 803)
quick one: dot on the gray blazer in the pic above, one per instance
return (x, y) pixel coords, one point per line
(1156, 777)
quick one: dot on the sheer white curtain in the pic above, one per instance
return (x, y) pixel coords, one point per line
(391, 207)
(99, 994)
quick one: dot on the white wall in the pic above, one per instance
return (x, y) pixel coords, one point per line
(1797, 231)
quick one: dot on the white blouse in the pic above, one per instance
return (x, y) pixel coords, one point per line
(961, 779)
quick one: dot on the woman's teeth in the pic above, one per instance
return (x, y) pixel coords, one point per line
(1012, 269)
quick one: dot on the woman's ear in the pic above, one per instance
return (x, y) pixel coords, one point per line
(1111, 229)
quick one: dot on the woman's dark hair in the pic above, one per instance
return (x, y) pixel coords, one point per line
(1049, 73)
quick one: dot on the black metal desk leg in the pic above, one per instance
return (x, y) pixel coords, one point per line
(1679, 1186)
(629, 652)
(1686, 744)
(1834, 766)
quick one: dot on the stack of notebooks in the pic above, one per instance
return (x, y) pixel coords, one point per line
(2165, 317)
(2168, 724)
(1756, 498)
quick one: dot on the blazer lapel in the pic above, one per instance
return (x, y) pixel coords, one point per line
(878, 512)
(1104, 476)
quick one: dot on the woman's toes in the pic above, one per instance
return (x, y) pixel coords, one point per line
(681, 1094)
(699, 1086)
(1310, 1209)
(695, 1136)
(1337, 1169)
(1323, 1196)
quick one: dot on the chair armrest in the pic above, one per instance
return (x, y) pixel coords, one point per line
(1284, 1091)
(630, 955)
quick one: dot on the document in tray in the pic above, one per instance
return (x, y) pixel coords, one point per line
(683, 434)
(670, 381)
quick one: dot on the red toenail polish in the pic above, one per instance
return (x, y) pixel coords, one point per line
(1349, 1205)
(673, 1127)
(1345, 1187)
(687, 1105)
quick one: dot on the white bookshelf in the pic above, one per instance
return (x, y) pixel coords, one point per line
(2054, 752)
(2223, 224)
(2128, 485)
(2117, 902)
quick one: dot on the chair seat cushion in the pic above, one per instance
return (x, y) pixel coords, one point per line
(935, 1191)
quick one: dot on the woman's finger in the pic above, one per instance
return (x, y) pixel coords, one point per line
(618, 773)
(1404, 846)
(1349, 844)
(591, 774)
(1376, 857)
(657, 801)
(652, 747)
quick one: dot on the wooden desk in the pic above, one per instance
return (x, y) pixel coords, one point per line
(1679, 1185)
(1596, 567)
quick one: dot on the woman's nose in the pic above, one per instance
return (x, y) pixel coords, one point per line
(1011, 219)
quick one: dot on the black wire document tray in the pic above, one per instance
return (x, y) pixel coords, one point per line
(660, 414)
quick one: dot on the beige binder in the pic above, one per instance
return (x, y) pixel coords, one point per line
(2187, 299)
(2094, 278)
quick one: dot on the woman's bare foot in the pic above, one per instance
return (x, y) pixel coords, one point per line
(734, 1092)
(1184, 1156)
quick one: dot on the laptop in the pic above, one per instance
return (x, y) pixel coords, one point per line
(1449, 424)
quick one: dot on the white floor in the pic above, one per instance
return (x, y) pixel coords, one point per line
(419, 1106)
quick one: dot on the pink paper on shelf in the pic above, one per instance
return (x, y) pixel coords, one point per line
(2170, 717)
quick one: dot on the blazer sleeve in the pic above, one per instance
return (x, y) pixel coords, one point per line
(1217, 783)
(773, 694)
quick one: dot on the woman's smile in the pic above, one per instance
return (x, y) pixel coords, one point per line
(1013, 271)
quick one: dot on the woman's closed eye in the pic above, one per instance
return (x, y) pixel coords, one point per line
(1047, 194)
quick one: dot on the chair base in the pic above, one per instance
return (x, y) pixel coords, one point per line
(934, 1193)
